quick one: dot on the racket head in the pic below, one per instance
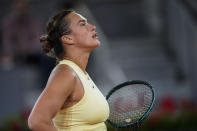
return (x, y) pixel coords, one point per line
(125, 84)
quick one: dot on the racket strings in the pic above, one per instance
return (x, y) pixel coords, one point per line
(130, 103)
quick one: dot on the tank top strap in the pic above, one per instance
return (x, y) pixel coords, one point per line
(76, 68)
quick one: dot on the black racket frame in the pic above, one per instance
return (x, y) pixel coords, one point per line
(136, 123)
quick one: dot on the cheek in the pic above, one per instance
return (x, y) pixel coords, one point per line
(83, 37)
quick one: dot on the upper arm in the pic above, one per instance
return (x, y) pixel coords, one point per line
(60, 85)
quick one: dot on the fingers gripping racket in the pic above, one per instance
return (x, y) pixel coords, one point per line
(129, 103)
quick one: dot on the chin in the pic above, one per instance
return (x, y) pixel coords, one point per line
(95, 45)
(98, 43)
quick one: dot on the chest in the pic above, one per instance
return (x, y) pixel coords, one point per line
(94, 107)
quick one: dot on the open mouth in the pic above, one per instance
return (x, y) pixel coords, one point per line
(94, 36)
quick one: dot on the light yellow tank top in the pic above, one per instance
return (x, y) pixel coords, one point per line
(90, 113)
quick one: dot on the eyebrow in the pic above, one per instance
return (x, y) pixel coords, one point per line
(82, 20)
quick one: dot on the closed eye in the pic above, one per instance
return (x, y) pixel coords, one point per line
(82, 22)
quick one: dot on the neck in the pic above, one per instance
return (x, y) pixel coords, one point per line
(81, 59)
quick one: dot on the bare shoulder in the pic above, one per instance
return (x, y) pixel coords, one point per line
(62, 72)
(62, 75)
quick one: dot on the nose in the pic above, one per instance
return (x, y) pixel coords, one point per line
(93, 27)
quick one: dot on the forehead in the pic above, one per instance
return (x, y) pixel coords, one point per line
(75, 17)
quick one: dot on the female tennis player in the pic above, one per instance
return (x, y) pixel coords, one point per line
(70, 101)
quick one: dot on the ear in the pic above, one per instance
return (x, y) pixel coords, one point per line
(67, 39)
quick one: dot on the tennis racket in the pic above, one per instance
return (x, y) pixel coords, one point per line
(130, 103)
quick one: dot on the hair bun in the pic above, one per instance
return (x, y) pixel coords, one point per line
(46, 45)
(44, 38)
